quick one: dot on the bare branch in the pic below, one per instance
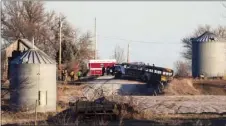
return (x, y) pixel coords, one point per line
(224, 5)
(119, 54)
(28, 19)
(182, 69)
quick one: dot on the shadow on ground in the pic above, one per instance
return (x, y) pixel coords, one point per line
(82, 80)
(89, 80)
(67, 117)
(138, 90)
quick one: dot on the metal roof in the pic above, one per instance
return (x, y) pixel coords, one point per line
(102, 61)
(25, 42)
(206, 37)
(33, 56)
(28, 43)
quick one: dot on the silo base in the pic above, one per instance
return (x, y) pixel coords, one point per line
(224, 77)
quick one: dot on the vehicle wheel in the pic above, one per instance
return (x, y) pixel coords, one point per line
(118, 75)
(78, 120)
(160, 87)
(143, 78)
(146, 79)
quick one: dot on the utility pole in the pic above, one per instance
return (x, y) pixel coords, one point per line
(60, 25)
(95, 40)
(33, 43)
(128, 52)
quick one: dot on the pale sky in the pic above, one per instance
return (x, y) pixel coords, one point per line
(163, 24)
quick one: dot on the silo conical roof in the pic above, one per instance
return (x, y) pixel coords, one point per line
(206, 37)
(33, 56)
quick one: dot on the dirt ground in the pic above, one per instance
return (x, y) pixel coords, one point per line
(196, 87)
(199, 104)
(68, 93)
(183, 102)
(181, 87)
(211, 87)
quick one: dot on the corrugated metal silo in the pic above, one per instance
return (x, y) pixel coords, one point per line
(208, 56)
(33, 79)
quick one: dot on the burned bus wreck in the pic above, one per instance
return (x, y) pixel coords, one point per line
(153, 76)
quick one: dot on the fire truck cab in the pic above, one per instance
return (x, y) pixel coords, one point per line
(95, 66)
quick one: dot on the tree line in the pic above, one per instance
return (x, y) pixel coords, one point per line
(30, 19)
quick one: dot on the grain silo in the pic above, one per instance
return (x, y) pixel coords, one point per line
(208, 56)
(33, 80)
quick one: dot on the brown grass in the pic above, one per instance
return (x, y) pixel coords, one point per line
(150, 116)
(211, 82)
(22, 117)
(211, 87)
(65, 92)
(181, 87)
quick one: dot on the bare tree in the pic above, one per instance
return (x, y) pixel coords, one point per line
(119, 54)
(76, 52)
(220, 31)
(182, 69)
(23, 19)
(224, 5)
(27, 19)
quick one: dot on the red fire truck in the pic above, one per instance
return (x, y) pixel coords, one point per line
(95, 66)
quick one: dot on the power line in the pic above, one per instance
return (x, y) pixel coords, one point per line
(135, 41)
(132, 41)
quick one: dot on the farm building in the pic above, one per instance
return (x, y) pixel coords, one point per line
(10, 52)
(208, 56)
